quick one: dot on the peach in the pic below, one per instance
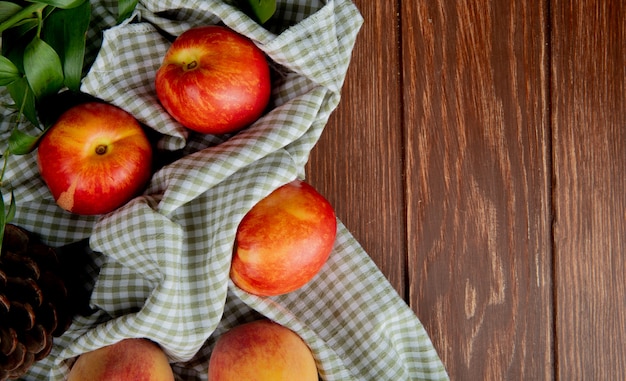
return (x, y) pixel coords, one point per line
(130, 359)
(283, 241)
(263, 351)
(214, 80)
(95, 158)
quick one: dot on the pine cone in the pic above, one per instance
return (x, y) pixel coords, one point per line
(34, 305)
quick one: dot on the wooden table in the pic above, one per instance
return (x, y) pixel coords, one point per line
(478, 155)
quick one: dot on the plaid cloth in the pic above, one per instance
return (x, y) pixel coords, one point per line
(160, 263)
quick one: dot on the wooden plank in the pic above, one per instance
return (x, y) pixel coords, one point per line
(478, 179)
(589, 135)
(357, 164)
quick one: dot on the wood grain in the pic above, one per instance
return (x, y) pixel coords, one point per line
(589, 136)
(478, 184)
(357, 164)
(478, 155)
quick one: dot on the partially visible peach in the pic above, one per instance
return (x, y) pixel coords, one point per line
(263, 351)
(127, 360)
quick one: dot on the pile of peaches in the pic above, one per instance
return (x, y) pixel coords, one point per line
(97, 157)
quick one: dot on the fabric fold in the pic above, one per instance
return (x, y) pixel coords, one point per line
(163, 259)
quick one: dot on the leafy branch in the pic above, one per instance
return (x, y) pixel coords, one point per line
(42, 54)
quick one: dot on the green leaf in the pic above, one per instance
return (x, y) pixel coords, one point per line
(25, 13)
(75, 40)
(23, 27)
(64, 4)
(263, 10)
(125, 8)
(43, 68)
(66, 31)
(21, 143)
(8, 9)
(24, 99)
(8, 71)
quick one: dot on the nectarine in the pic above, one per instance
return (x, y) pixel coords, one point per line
(95, 158)
(214, 80)
(283, 241)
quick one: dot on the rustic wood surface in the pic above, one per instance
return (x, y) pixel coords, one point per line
(478, 156)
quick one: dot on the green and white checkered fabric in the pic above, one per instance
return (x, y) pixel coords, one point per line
(162, 260)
